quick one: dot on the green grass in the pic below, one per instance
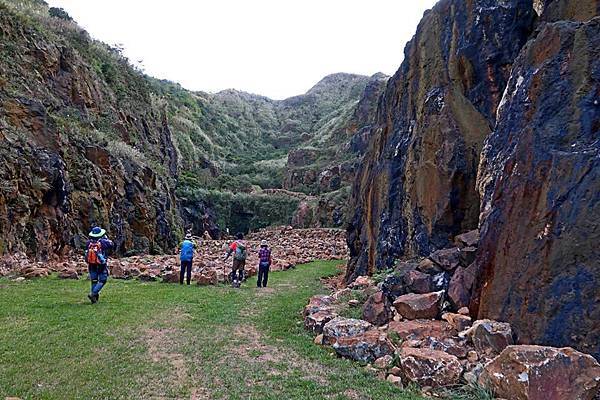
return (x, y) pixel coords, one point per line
(154, 340)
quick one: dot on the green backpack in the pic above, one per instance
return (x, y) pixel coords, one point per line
(240, 252)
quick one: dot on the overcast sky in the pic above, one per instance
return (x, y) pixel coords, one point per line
(277, 48)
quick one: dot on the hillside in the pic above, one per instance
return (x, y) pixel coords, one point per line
(91, 140)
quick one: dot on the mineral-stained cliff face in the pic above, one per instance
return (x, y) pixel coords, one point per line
(540, 187)
(416, 187)
(68, 132)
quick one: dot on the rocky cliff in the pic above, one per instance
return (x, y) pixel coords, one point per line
(540, 183)
(416, 188)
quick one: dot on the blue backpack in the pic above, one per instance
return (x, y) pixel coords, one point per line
(187, 251)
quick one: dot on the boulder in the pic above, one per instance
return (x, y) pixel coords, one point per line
(170, 277)
(421, 329)
(33, 272)
(419, 306)
(117, 271)
(542, 373)
(418, 282)
(427, 367)
(147, 277)
(428, 267)
(490, 337)
(207, 277)
(316, 303)
(362, 282)
(377, 309)
(452, 345)
(68, 274)
(467, 256)
(316, 320)
(364, 347)
(343, 327)
(460, 286)
(458, 322)
(395, 380)
(384, 362)
(468, 239)
(447, 259)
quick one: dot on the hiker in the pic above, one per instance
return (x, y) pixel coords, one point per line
(186, 256)
(96, 256)
(264, 263)
(238, 248)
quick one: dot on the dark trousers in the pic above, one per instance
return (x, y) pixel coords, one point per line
(98, 276)
(186, 267)
(263, 274)
(238, 268)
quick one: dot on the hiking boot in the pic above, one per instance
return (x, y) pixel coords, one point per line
(93, 298)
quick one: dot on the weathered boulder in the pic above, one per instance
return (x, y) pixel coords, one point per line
(453, 345)
(362, 282)
(384, 362)
(419, 306)
(539, 178)
(365, 347)
(316, 303)
(33, 272)
(461, 285)
(428, 367)
(207, 277)
(447, 259)
(316, 320)
(490, 337)
(418, 282)
(542, 373)
(377, 309)
(68, 274)
(415, 189)
(170, 277)
(458, 322)
(421, 329)
(343, 327)
(468, 239)
(429, 267)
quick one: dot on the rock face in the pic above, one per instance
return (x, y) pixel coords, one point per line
(539, 181)
(542, 373)
(416, 188)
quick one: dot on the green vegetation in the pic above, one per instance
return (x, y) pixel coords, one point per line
(154, 340)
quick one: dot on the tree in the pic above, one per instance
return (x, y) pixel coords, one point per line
(57, 12)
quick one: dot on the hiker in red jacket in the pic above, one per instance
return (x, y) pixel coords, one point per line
(238, 248)
(96, 257)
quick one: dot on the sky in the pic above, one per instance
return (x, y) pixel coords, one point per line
(275, 48)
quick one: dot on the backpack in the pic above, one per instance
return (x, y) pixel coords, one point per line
(240, 252)
(187, 251)
(94, 253)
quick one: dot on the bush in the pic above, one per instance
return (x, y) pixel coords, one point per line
(60, 13)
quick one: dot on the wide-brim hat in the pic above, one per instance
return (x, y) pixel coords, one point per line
(188, 236)
(97, 232)
(264, 243)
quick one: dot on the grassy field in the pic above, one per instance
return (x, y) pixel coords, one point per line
(163, 341)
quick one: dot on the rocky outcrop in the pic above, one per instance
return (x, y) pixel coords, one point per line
(416, 188)
(539, 179)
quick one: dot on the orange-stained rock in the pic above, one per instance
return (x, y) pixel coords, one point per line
(542, 373)
(377, 309)
(365, 347)
(420, 329)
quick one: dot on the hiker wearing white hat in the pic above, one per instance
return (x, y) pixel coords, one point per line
(264, 264)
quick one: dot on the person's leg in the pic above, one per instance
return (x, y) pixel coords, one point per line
(189, 272)
(102, 278)
(93, 271)
(266, 275)
(242, 270)
(260, 273)
(181, 272)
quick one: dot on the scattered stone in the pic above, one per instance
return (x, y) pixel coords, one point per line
(384, 362)
(319, 339)
(68, 274)
(316, 320)
(377, 309)
(396, 371)
(394, 379)
(362, 282)
(427, 367)
(353, 303)
(464, 311)
(419, 306)
(529, 372)
(457, 321)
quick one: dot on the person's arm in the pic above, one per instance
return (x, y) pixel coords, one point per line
(231, 250)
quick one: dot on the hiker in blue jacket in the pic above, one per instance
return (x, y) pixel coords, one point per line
(96, 257)
(186, 255)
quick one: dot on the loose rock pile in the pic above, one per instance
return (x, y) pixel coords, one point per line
(415, 328)
(290, 247)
